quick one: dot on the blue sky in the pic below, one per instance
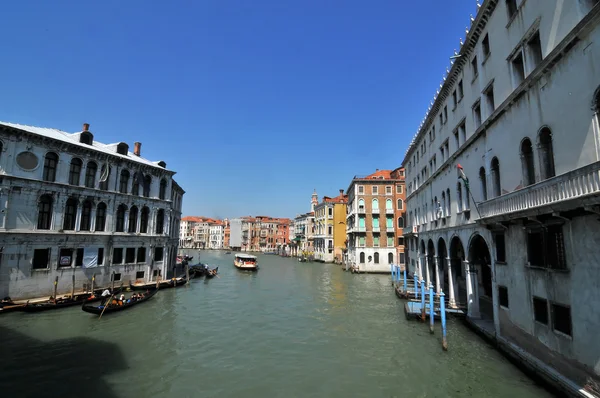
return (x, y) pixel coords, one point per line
(253, 103)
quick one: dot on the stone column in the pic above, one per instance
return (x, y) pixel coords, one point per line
(495, 298)
(139, 221)
(451, 299)
(472, 293)
(126, 222)
(93, 217)
(420, 262)
(78, 215)
(437, 274)
(427, 272)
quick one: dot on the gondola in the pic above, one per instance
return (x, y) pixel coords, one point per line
(98, 309)
(7, 305)
(54, 305)
(98, 295)
(211, 273)
(175, 282)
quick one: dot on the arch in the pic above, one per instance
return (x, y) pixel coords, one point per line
(400, 204)
(90, 174)
(361, 257)
(105, 172)
(457, 255)
(361, 203)
(422, 247)
(442, 250)
(527, 166)
(120, 221)
(135, 184)
(133, 216)
(374, 204)
(75, 171)
(162, 193)
(85, 223)
(390, 258)
(483, 181)
(480, 259)
(546, 153)
(430, 248)
(70, 214)
(495, 171)
(376, 258)
(124, 181)
(45, 205)
(160, 222)
(400, 222)
(100, 217)
(145, 215)
(147, 185)
(50, 166)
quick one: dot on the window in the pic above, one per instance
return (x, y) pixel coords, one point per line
(390, 258)
(160, 221)
(361, 189)
(460, 90)
(483, 181)
(376, 258)
(399, 189)
(389, 223)
(459, 198)
(495, 171)
(50, 164)
(70, 214)
(118, 255)
(527, 162)
(79, 257)
(477, 114)
(41, 259)
(402, 258)
(330, 212)
(561, 319)
(400, 222)
(162, 193)
(362, 257)
(376, 223)
(388, 190)
(90, 175)
(503, 296)
(65, 258)
(361, 242)
(540, 310)
(374, 189)
(485, 47)
(144, 220)
(120, 224)
(75, 171)
(141, 255)
(158, 253)
(117, 277)
(133, 216)
(45, 212)
(330, 230)
(518, 69)
(375, 205)
(454, 99)
(86, 216)
(445, 118)
(456, 140)
(511, 8)
(474, 69)
(390, 241)
(375, 241)
(124, 181)
(104, 177)
(500, 247)
(139, 275)
(489, 99)
(534, 47)
(100, 216)
(135, 184)
(100, 256)
(130, 255)
(147, 185)
(546, 152)
(400, 241)
(546, 247)
(462, 130)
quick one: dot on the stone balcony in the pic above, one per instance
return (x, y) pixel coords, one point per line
(582, 184)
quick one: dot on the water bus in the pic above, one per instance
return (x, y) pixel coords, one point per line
(246, 262)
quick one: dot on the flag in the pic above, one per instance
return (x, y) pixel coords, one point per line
(461, 173)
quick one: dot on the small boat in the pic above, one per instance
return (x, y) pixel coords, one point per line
(211, 273)
(174, 282)
(227, 252)
(7, 305)
(246, 262)
(52, 304)
(98, 309)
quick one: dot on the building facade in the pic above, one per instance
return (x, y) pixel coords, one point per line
(371, 227)
(503, 183)
(216, 232)
(72, 208)
(328, 227)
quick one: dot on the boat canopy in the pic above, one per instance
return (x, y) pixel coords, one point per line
(246, 256)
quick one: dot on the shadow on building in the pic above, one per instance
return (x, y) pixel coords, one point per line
(63, 368)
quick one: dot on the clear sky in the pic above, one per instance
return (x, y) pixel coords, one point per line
(253, 103)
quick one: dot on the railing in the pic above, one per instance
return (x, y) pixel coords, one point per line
(375, 211)
(362, 229)
(376, 229)
(361, 210)
(389, 211)
(574, 184)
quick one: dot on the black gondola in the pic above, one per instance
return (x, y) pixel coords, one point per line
(54, 305)
(211, 273)
(98, 309)
(175, 282)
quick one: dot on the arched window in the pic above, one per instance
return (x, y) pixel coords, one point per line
(133, 215)
(389, 205)
(135, 184)
(120, 224)
(50, 165)
(376, 258)
(467, 197)
(75, 171)
(1, 147)
(437, 209)
(70, 214)
(124, 181)
(145, 215)
(443, 203)
(448, 203)
(160, 221)
(361, 205)
(495, 169)
(400, 204)
(162, 193)
(459, 199)
(527, 162)
(546, 153)
(390, 258)
(147, 185)
(86, 216)
(105, 177)
(90, 174)
(361, 257)
(100, 216)
(483, 181)
(400, 222)
(374, 205)
(45, 212)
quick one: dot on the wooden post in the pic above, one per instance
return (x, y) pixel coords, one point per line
(187, 272)
(93, 281)
(73, 286)
(113, 281)
(55, 287)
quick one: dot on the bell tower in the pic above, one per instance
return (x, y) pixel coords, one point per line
(314, 201)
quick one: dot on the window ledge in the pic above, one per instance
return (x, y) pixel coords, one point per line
(501, 263)
(460, 99)
(486, 58)
(504, 308)
(474, 78)
(563, 335)
(40, 269)
(550, 270)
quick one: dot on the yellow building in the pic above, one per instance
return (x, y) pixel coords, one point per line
(330, 228)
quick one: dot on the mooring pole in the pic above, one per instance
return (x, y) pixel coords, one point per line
(93, 282)
(423, 300)
(392, 266)
(443, 316)
(55, 287)
(431, 312)
(73, 286)
(405, 291)
(416, 287)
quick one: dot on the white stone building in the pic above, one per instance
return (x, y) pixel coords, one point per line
(216, 233)
(72, 208)
(518, 111)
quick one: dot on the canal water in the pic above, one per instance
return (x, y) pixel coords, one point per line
(291, 330)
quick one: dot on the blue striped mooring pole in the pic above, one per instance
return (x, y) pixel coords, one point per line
(416, 287)
(423, 300)
(431, 313)
(443, 316)
(405, 291)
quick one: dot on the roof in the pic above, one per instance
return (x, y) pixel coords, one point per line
(73, 139)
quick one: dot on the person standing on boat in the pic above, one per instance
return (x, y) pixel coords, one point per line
(106, 293)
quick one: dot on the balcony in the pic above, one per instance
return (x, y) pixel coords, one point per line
(362, 229)
(375, 211)
(376, 229)
(577, 184)
(361, 210)
(389, 211)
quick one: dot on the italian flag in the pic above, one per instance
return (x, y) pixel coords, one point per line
(461, 173)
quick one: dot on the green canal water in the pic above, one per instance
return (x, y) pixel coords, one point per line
(291, 330)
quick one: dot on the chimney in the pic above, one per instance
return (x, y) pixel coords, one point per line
(342, 192)
(86, 127)
(376, 170)
(137, 148)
